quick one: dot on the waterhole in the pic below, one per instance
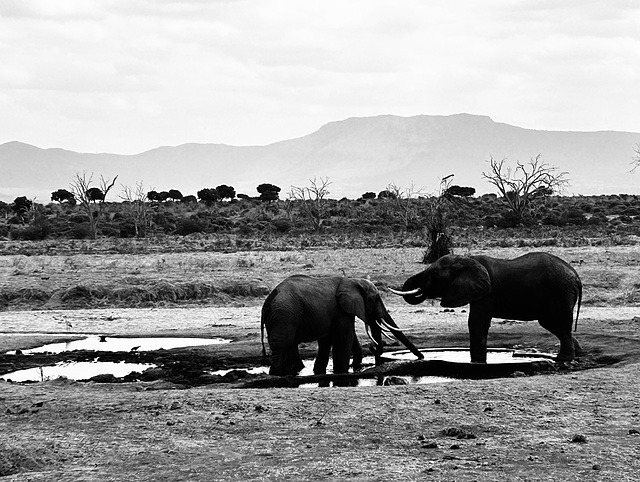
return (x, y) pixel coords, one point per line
(75, 371)
(114, 343)
(86, 370)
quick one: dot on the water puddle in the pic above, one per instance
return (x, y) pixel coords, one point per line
(75, 371)
(114, 343)
(362, 382)
(461, 355)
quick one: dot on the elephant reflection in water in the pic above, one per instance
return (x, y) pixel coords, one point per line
(307, 308)
(535, 286)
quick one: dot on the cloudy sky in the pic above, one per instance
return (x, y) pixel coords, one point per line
(125, 76)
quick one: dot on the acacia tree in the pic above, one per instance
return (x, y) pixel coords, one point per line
(311, 201)
(137, 208)
(523, 186)
(90, 198)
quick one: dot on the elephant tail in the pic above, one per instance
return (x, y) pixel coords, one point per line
(575, 328)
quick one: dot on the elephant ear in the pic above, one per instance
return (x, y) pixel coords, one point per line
(350, 298)
(471, 282)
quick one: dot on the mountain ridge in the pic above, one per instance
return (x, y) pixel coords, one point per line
(357, 154)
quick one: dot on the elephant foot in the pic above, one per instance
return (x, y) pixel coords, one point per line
(564, 357)
(577, 348)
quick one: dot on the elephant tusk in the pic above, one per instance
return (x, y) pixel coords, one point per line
(383, 329)
(366, 328)
(384, 332)
(389, 327)
(405, 293)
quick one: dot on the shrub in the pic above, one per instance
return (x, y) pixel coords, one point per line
(189, 226)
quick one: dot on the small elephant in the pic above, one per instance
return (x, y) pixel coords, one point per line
(306, 308)
(536, 286)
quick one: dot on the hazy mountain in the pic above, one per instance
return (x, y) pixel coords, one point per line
(357, 154)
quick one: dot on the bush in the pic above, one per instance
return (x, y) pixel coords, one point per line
(39, 230)
(80, 231)
(189, 226)
(282, 225)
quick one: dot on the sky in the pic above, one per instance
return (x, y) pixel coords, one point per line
(130, 75)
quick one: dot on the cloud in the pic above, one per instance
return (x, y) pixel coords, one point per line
(125, 76)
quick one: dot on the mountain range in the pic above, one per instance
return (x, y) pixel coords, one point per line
(357, 155)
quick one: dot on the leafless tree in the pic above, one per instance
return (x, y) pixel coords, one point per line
(311, 201)
(403, 203)
(90, 200)
(135, 202)
(635, 160)
(522, 186)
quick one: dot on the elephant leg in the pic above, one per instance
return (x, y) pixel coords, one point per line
(478, 334)
(356, 351)
(342, 346)
(562, 331)
(322, 358)
(296, 361)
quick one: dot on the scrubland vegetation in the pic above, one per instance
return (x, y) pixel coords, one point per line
(250, 223)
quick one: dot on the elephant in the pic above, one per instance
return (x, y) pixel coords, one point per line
(305, 308)
(535, 286)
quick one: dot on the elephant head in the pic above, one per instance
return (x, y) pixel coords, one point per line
(361, 298)
(455, 280)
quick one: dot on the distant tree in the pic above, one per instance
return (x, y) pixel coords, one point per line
(440, 242)
(163, 196)
(95, 194)
(62, 195)
(369, 195)
(635, 160)
(21, 207)
(226, 192)
(137, 209)
(522, 186)
(243, 196)
(153, 196)
(190, 199)
(91, 199)
(386, 194)
(268, 192)
(175, 195)
(311, 201)
(208, 196)
(403, 204)
(461, 191)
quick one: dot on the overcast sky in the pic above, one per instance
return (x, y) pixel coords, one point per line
(130, 75)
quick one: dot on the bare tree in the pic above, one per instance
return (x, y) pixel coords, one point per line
(522, 186)
(88, 198)
(635, 160)
(137, 208)
(311, 201)
(403, 203)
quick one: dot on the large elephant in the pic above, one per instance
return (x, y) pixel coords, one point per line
(306, 308)
(536, 286)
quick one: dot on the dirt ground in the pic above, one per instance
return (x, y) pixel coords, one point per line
(578, 422)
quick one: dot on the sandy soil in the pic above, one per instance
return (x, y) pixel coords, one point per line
(577, 423)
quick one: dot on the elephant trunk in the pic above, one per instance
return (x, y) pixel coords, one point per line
(393, 327)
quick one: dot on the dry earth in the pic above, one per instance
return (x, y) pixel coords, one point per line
(580, 422)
